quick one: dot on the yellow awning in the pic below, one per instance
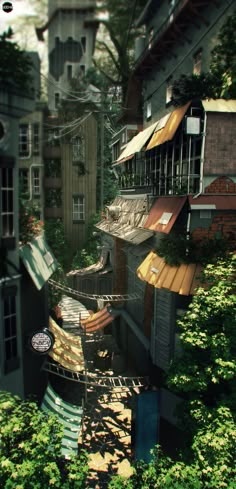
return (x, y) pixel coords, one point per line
(67, 349)
(168, 131)
(182, 279)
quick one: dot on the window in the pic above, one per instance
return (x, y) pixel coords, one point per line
(197, 62)
(69, 72)
(7, 202)
(53, 137)
(78, 149)
(57, 100)
(116, 150)
(169, 91)
(82, 70)
(150, 38)
(83, 42)
(24, 140)
(23, 180)
(36, 181)
(36, 138)
(78, 211)
(10, 329)
(149, 109)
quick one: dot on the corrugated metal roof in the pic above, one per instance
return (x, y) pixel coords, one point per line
(69, 415)
(182, 279)
(219, 105)
(136, 143)
(96, 267)
(97, 320)
(161, 135)
(38, 260)
(172, 205)
(67, 349)
(221, 202)
(129, 224)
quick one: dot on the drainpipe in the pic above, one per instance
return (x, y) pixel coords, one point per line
(202, 157)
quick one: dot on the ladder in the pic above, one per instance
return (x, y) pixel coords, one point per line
(95, 297)
(92, 379)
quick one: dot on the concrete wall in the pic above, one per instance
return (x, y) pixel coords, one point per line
(178, 59)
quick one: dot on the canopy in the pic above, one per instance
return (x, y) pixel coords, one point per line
(182, 279)
(38, 260)
(69, 415)
(67, 349)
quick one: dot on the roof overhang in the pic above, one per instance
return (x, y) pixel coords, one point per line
(182, 279)
(38, 261)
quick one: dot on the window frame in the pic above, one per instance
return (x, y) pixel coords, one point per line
(197, 62)
(8, 239)
(24, 144)
(78, 215)
(36, 184)
(11, 338)
(35, 138)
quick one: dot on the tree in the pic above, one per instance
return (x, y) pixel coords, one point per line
(204, 376)
(220, 81)
(15, 65)
(207, 369)
(30, 449)
(117, 41)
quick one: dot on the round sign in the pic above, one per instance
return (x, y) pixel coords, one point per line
(7, 7)
(42, 341)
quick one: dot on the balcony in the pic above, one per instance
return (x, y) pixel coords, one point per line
(170, 31)
(52, 182)
(52, 152)
(53, 212)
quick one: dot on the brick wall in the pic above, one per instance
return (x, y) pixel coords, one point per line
(223, 225)
(220, 157)
(120, 270)
(221, 185)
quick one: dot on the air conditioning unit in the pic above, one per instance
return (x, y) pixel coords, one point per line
(192, 125)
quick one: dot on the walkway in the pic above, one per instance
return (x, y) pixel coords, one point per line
(107, 412)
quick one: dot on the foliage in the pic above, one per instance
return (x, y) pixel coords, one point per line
(116, 44)
(15, 65)
(220, 81)
(55, 236)
(30, 226)
(30, 449)
(89, 255)
(177, 249)
(204, 376)
(207, 367)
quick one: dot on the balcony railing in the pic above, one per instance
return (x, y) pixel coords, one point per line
(166, 185)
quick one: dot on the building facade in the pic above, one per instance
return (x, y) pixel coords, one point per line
(181, 166)
(70, 143)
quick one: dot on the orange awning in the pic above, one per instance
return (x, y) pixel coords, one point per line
(97, 320)
(67, 349)
(182, 279)
(168, 131)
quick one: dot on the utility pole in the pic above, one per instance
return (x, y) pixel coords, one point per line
(102, 153)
